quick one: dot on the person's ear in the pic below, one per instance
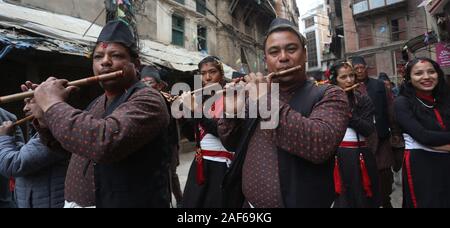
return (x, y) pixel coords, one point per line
(305, 54)
(137, 64)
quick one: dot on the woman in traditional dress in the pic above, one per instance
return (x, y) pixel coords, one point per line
(423, 112)
(356, 178)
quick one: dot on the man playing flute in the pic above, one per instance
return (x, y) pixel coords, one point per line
(119, 144)
(291, 165)
(39, 166)
(6, 196)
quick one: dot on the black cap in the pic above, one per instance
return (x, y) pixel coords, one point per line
(237, 75)
(150, 71)
(118, 32)
(384, 77)
(281, 23)
(358, 60)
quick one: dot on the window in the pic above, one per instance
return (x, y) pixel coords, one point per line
(244, 59)
(233, 6)
(398, 29)
(180, 1)
(309, 22)
(312, 50)
(365, 36)
(248, 28)
(338, 8)
(202, 38)
(178, 30)
(371, 65)
(201, 6)
(234, 19)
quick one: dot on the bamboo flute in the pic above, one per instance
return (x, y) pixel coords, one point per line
(352, 88)
(170, 98)
(78, 83)
(22, 121)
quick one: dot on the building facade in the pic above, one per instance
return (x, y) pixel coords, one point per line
(233, 30)
(315, 25)
(377, 30)
(336, 49)
(438, 12)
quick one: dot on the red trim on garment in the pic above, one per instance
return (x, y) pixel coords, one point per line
(202, 132)
(200, 175)
(430, 99)
(338, 184)
(353, 145)
(426, 97)
(199, 135)
(216, 110)
(367, 184)
(439, 118)
(410, 179)
(218, 154)
(12, 184)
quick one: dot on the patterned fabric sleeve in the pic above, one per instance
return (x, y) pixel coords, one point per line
(126, 130)
(315, 138)
(230, 132)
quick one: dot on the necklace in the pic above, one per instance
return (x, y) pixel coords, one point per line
(428, 106)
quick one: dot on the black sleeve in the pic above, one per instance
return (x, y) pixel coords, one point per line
(188, 128)
(362, 116)
(210, 126)
(411, 126)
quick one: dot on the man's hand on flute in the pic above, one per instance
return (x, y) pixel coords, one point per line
(52, 91)
(130, 71)
(190, 101)
(28, 86)
(256, 84)
(235, 104)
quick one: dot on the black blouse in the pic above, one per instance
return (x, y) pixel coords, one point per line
(421, 123)
(363, 111)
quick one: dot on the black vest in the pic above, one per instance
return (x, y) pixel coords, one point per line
(303, 184)
(139, 181)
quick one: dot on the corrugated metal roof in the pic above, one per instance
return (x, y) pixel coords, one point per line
(20, 40)
(65, 34)
(49, 24)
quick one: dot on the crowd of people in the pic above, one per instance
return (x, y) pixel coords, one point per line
(337, 144)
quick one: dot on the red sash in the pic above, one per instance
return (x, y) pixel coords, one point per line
(353, 145)
(199, 159)
(200, 176)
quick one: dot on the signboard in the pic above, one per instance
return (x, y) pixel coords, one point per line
(443, 54)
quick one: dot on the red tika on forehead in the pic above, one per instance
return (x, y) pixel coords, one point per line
(104, 45)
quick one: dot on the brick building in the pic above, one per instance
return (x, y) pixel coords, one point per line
(230, 29)
(377, 30)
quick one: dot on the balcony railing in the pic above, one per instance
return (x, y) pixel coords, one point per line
(369, 5)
